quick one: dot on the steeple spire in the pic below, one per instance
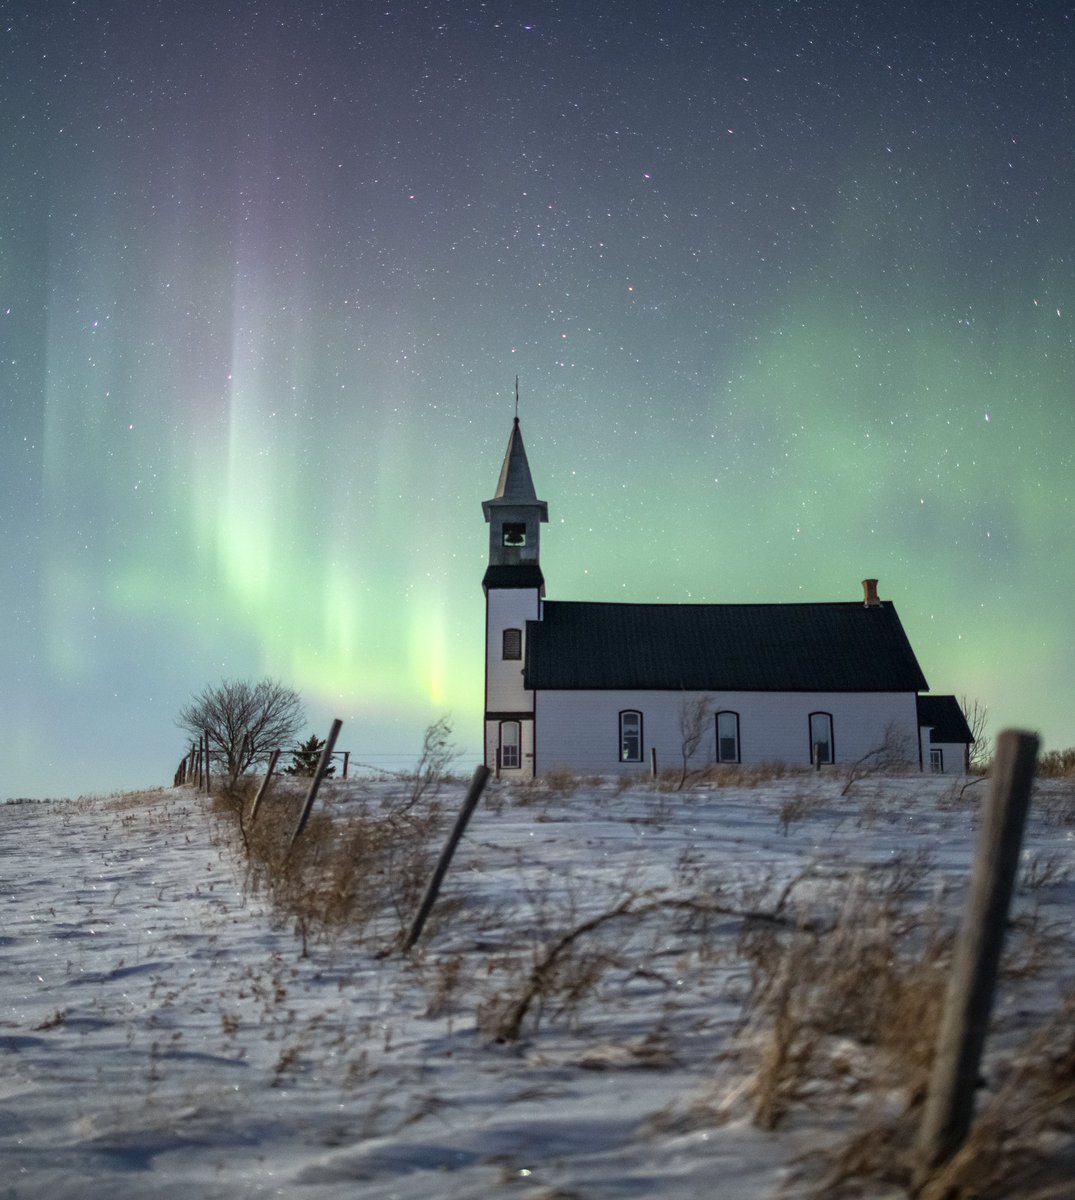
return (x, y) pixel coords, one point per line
(515, 516)
(516, 484)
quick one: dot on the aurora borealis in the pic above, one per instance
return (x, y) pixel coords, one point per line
(787, 287)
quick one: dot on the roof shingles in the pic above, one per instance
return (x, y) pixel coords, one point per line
(840, 647)
(948, 721)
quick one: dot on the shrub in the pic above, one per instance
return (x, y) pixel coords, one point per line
(1057, 764)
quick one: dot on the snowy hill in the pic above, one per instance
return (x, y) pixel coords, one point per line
(624, 992)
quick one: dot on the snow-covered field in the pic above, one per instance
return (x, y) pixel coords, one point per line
(161, 1033)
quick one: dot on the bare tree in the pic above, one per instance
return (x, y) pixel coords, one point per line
(981, 749)
(895, 753)
(434, 765)
(243, 720)
(694, 713)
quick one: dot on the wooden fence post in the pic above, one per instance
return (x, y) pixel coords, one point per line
(315, 783)
(969, 998)
(264, 784)
(477, 786)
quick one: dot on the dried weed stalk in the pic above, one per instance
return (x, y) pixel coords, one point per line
(850, 1006)
(352, 871)
(1023, 1143)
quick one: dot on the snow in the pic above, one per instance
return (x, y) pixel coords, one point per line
(162, 1033)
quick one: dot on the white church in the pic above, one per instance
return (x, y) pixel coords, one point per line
(601, 688)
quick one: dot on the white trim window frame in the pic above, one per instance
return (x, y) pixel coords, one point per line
(821, 738)
(510, 745)
(630, 735)
(728, 750)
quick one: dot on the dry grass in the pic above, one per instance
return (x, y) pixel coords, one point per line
(358, 872)
(1057, 764)
(849, 1014)
(798, 807)
(567, 968)
(1055, 802)
(1020, 1147)
(558, 783)
(850, 1007)
(1023, 1143)
(131, 800)
(728, 775)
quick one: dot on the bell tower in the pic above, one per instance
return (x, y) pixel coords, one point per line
(515, 514)
(514, 589)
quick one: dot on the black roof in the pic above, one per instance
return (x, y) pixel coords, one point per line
(946, 716)
(514, 575)
(840, 647)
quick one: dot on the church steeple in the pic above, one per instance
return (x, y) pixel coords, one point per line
(515, 515)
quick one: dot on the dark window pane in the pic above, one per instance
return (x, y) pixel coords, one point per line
(513, 643)
(631, 737)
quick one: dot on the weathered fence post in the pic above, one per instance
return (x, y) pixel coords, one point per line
(315, 783)
(477, 786)
(969, 998)
(264, 784)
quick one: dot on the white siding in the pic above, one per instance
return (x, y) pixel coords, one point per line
(923, 745)
(579, 731)
(508, 608)
(526, 746)
(954, 754)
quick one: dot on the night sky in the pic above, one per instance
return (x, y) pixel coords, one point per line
(788, 288)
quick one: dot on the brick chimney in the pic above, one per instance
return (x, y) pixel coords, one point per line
(869, 589)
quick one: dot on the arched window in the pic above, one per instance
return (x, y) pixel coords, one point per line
(821, 744)
(513, 643)
(728, 737)
(509, 746)
(630, 736)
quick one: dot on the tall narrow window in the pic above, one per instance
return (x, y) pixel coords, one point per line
(821, 750)
(727, 737)
(509, 745)
(630, 736)
(513, 643)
